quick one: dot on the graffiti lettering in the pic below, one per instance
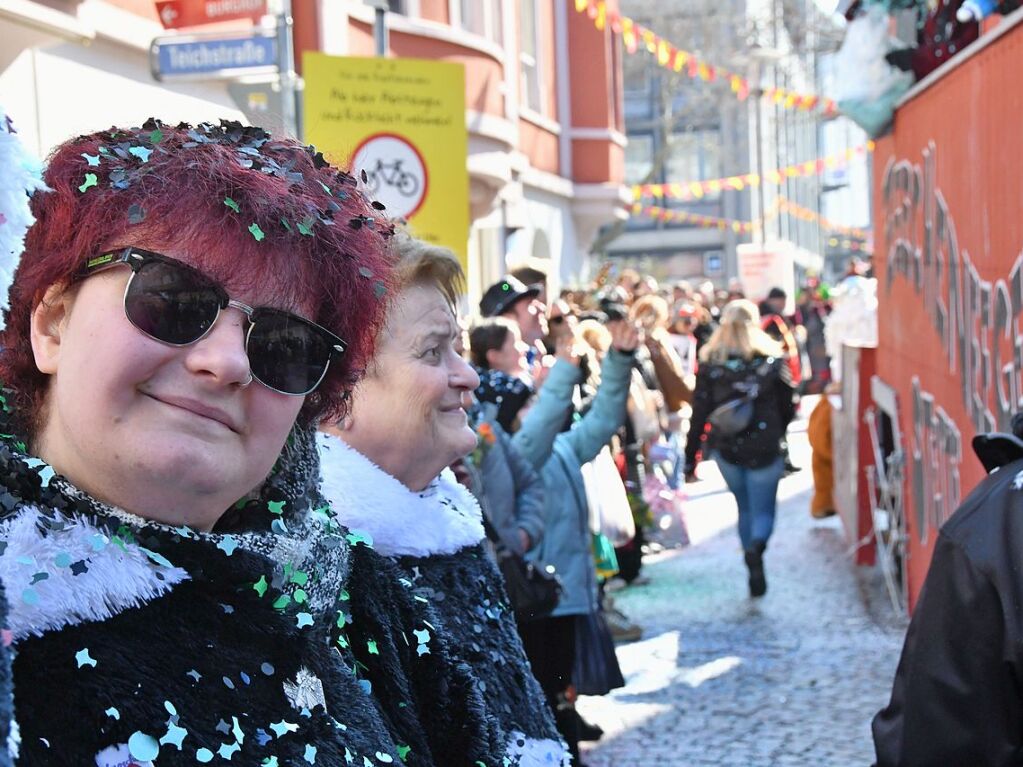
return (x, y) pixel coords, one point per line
(937, 454)
(977, 324)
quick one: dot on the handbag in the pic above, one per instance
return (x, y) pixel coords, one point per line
(734, 416)
(533, 589)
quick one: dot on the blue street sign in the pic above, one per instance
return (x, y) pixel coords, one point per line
(204, 58)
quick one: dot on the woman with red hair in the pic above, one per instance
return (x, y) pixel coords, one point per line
(188, 302)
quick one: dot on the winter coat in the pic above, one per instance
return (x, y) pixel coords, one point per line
(773, 409)
(133, 637)
(487, 706)
(567, 539)
(958, 692)
(509, 490)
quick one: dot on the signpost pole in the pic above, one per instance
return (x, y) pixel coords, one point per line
(286, 67)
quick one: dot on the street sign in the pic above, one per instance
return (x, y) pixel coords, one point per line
(175, 14)
(196, 57)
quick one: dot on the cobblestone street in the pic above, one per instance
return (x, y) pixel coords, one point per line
(719, 679)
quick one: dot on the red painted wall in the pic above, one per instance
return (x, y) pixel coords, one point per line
(948, 188)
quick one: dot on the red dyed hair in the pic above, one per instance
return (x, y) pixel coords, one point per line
(208, 192)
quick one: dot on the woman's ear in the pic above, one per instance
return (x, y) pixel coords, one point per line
(492, 355)
(49, 319)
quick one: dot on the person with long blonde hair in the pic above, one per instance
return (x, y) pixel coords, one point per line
(744, 393)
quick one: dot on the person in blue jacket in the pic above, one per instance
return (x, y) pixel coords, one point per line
(559, 455)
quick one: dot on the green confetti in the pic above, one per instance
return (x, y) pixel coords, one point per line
(403, 751)
(325, 187)
(156, 136)
(261, 585)
(301, 596)
(379, 289)
(232, 205)
(282, 601)
(300, 578)
(371, 646)
(306, 227)
(90, 181)
(342, 620)
(92, 159)
(285, 223)
(276, 507)
(256, 232)
(343, 595)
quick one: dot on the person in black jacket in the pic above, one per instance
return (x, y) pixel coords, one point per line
(957, 698)
(741, 361)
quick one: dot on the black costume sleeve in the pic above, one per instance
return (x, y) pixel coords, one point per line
(703, 404)
(955, 701)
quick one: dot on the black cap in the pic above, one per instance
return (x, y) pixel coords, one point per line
(501, 295)
(777, 293)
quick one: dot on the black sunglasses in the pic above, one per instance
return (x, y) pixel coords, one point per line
(177, 304)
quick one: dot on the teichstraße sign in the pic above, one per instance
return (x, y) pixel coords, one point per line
(177, 14)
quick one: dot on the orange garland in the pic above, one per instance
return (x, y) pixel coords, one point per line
(781, 205)
(677, 60)
(697, 189)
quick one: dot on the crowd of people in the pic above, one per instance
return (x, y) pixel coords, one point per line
(266, 494)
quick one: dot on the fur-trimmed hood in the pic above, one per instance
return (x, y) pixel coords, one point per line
(441, 519)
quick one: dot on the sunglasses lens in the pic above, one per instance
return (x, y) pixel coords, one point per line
(287, 353)
(171, 302)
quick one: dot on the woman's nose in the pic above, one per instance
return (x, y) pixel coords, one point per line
(220, 355)
(462, 375)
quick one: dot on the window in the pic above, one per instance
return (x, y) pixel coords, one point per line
(483, 18)
(637, 83)
(694, 156)
(530, 57)
(639, 158)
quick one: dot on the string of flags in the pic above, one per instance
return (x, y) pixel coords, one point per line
(780, 206)
(685, 217)
(806, 214)
(697, 189)
(668, 56)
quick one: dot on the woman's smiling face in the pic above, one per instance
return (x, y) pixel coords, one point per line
(171, 433)
(408, 413)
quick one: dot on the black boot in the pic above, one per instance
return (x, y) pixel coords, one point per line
(755, 564)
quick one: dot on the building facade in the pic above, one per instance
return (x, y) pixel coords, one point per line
(543, 102)
(682, 130)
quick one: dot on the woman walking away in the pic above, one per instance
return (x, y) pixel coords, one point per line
(744, 392)
(180, 307)
(385, 474)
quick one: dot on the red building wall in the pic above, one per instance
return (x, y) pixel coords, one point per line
(948, 196)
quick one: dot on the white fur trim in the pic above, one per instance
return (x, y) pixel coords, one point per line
(530, 752)
(117, 578)
(19, 177)
(441, 519)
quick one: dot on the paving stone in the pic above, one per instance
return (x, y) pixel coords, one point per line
(720, 679)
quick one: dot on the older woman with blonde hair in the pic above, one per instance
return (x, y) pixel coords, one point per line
(384, 471)
(744, 392)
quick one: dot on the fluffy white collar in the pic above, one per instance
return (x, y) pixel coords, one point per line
(441, 519)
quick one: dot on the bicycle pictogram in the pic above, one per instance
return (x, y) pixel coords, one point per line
(391, 174)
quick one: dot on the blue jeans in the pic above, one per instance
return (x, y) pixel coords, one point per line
(756, 493)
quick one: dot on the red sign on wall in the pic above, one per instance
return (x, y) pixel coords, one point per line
(178, 14)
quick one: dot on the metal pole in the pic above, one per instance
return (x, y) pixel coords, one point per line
(758, 127)
(286, 64)
(380, 30)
